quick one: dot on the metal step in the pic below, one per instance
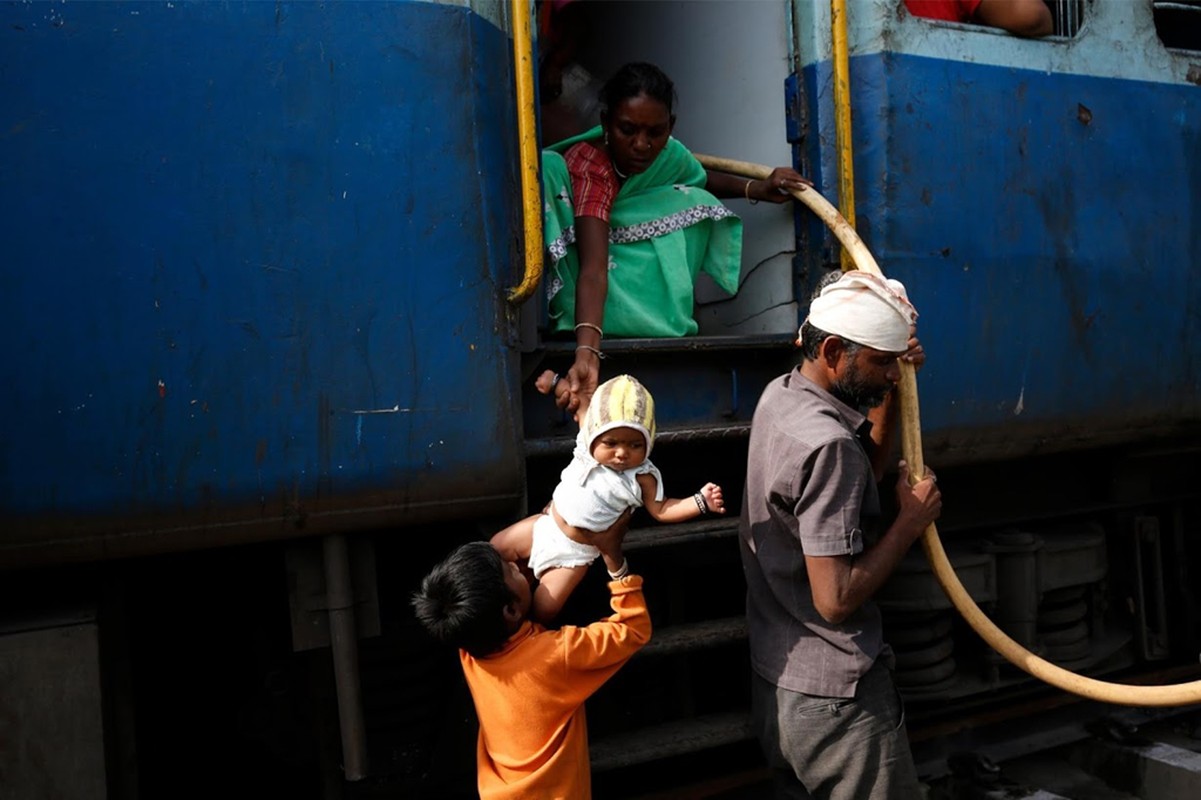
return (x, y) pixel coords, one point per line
(563, 445)
(682, 533)
(672, 739)
(707, 344)
(705, 388)
(694, 636)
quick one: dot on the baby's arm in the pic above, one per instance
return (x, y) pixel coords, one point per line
(680, 509)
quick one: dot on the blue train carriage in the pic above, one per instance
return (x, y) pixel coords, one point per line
(255, 261)
(255, 257)
(1039, 198)
(288, 230)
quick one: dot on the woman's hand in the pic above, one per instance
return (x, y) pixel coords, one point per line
(779, 185)
(582, 380)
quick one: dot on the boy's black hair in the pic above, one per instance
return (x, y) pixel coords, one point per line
(462, 600)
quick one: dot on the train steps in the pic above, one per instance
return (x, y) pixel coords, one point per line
(690, 681)
(705, 388)
(679, 663)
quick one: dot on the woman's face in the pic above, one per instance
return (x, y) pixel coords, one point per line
(638, 129)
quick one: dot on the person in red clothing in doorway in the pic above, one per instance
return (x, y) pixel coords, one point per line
(1030, 18)
(528, 683)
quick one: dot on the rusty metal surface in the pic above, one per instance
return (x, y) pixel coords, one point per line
(258, 335)
(44, 539)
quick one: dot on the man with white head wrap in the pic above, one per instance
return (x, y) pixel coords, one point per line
(824, 705)
(866, 309)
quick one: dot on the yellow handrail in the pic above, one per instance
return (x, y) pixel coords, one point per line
(527, 136)
(842, 116)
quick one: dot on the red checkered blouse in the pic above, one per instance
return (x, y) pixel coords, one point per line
(594, 184)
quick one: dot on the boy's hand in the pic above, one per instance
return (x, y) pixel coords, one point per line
(711, 494)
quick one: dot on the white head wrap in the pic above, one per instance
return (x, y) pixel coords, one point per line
(868, 310)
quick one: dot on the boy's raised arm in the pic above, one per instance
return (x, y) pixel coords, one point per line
(604, 646)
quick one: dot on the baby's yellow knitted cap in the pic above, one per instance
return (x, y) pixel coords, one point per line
(621, 402)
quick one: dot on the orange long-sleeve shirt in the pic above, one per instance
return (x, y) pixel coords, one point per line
(529, 698)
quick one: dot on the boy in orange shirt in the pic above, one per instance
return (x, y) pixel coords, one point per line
(528, 683)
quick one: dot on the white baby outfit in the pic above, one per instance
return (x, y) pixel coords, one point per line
(589, 496)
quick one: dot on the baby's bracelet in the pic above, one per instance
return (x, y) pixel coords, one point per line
(590, 349)
(700, 503)
(622, 571)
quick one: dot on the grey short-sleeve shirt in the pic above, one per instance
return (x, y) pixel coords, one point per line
(809, 490)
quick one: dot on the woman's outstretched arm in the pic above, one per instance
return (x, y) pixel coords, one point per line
(592, 287)
(773, 189)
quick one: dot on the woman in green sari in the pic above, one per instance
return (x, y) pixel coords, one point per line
(631, 218)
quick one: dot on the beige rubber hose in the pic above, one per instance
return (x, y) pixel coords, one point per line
(911, 446)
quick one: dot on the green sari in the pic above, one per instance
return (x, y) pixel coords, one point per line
(664, 228)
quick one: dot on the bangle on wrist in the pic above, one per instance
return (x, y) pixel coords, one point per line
(621, 571)
(596, 328)
(746, 191)
(700, 503)
(590, 349)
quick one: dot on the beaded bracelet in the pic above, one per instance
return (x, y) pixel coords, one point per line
(622, 571)
(700, 503)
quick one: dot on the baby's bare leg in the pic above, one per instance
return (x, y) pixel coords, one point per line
(554, 587)
(514, 542)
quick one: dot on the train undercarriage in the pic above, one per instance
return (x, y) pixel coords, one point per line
(187, 674)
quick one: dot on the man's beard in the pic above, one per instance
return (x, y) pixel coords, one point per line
(856, 392)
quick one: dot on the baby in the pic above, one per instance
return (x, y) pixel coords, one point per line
(610, 472)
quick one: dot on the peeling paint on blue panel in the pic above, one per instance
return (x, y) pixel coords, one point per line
(230, 229)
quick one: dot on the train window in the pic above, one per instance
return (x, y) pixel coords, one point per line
(1178, 23)
(1066, 15)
